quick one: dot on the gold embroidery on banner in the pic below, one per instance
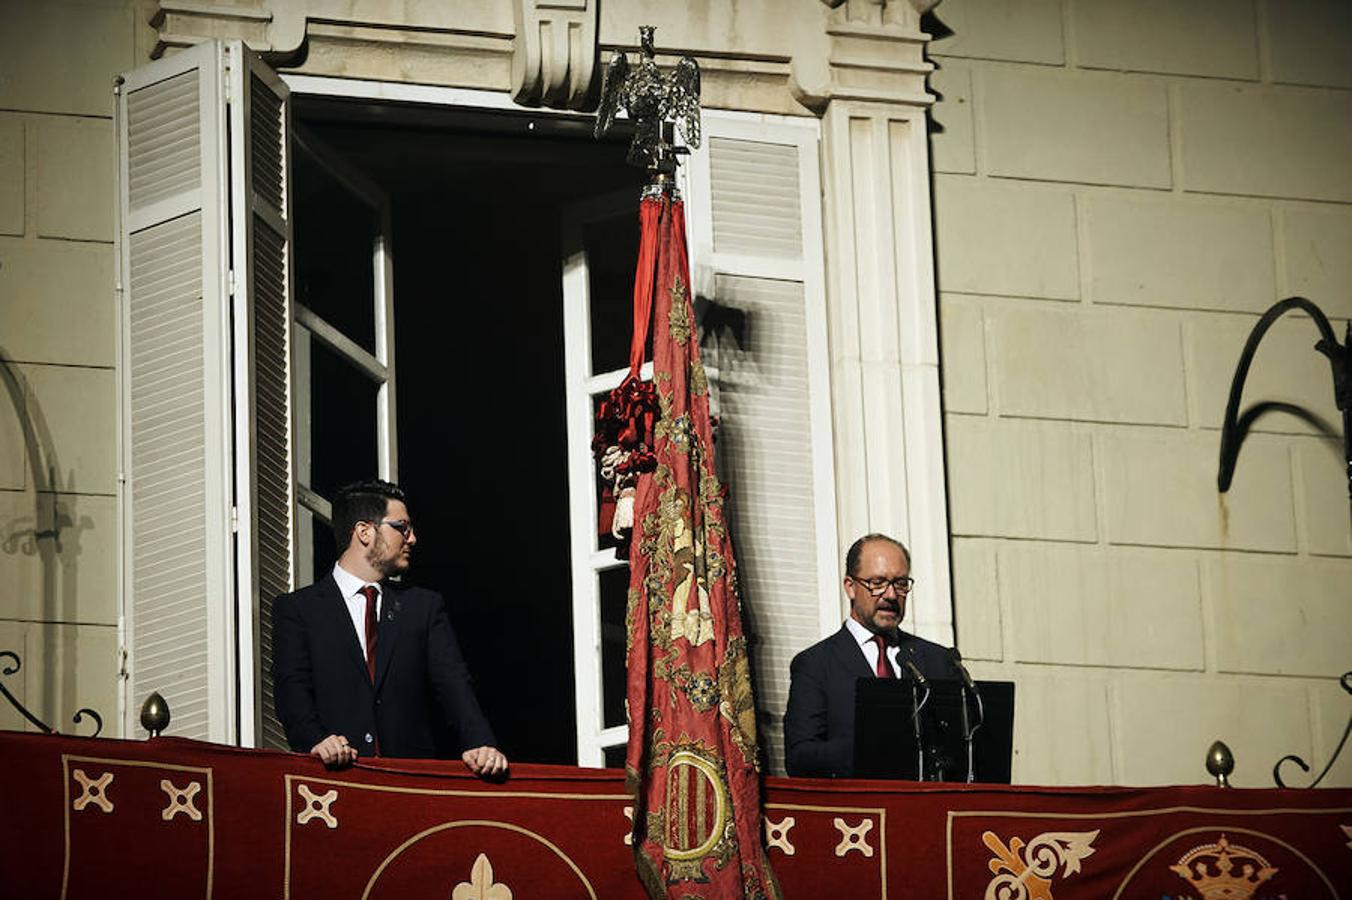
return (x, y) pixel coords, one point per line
(738, 705)
(777, 834)
(1028, 875)
(93, 790)
(481, 885)
(853, 837)
(181, 800)
(679, 319)
(693, 621)
(317, 806)
(699, 379)
(711, 832)
(1210, 870)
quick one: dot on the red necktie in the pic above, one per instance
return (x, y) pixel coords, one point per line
(884, 669)
(371, 592)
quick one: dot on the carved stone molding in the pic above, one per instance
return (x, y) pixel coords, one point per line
(875, 51)
(183, 23)
(920, 6)
(545, 52)
(554, 57)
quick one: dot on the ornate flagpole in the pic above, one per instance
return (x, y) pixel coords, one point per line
(693, 760)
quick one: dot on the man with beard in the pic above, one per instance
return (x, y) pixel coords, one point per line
(365, 666)
(819, 721)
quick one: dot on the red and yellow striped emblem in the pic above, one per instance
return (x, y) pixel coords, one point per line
(697, 806)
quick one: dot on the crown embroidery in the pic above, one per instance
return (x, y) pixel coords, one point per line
(1224, 871)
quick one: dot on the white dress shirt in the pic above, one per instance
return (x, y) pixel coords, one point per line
(350, 586)
(870, 649)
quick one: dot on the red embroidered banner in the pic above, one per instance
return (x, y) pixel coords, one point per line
(692, 756)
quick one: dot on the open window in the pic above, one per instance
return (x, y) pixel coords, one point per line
(258, 365)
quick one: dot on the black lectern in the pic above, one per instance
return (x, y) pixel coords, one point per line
(885, 731)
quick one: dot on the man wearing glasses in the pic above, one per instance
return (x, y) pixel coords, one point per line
(364, 666)
(819, 721)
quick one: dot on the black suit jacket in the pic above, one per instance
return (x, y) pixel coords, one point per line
(422, 703)
(819, 721)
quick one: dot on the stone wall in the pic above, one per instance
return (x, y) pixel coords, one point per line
(58, 402)
(1120, 190)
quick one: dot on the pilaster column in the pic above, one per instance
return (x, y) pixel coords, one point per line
(882, 309)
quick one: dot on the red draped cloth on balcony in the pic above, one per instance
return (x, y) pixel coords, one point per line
(175, 819)
(693, 756)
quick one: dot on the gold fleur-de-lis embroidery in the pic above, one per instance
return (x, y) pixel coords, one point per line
(1027, 869)
(481, 885)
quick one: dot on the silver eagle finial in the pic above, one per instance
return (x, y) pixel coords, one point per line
(651, 99)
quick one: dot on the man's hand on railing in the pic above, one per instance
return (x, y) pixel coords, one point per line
(486, 762)
(335, 751)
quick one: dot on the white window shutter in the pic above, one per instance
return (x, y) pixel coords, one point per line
(754, 211)
(204, 393)
(260, 114)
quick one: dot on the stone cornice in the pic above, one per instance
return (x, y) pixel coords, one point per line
(874, 52)
(791, 59)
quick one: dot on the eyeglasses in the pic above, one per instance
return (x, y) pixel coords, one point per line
(403, 526)
(878, 586)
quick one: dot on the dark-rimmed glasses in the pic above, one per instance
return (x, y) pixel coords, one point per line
(878, 586)
(403, 526)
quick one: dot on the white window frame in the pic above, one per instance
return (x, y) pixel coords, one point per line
(378, 367)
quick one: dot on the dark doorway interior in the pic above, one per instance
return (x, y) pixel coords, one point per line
(477, 200)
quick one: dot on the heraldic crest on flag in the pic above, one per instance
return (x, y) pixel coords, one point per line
(693, 758)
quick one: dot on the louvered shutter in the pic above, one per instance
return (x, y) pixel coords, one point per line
(264, 471)
(205, 441)
(753, 193)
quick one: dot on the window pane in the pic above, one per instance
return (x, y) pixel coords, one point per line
(614, 591)
(614, 756)
(325, 550)
(334, 239)
(612, 251)
(342, 422)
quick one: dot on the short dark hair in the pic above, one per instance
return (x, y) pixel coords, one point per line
(857, 548)
(362, 501)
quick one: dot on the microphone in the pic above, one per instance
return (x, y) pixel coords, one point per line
(915, 673)
(955, 660)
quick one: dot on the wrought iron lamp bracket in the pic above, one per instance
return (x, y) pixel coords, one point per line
(1236, 427)
(1340, 361)
(11, 667)
(1346, 682)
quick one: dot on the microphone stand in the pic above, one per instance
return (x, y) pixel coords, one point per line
(968, 729)
(918, 702)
